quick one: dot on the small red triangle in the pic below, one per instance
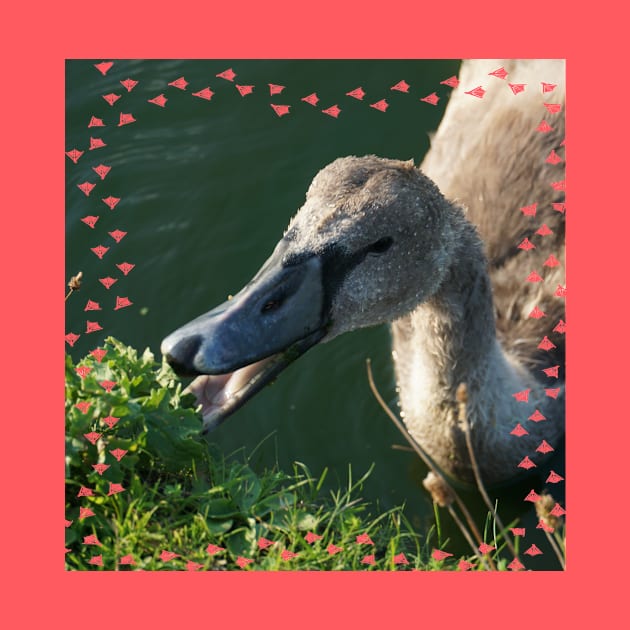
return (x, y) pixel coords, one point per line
(110, 421)
(83, 370)
(357, 93)
(561, 327)
(100, 468)
(125, 267)
(526, 463)
(159, 100)
(500, 73)
(212, 549)
(529, 211)
(71, 339)
(526, 244)
(122, 302)
(111, 98)
(401, 86)
(74, 155)
(104, 66)
(107, 282)
(101, 170)
(96, 143)
(311, 99)
(553, 158)
(439, 554)
(381, 105)
(92, 437)
(110, 201)
(553, 108)
(544, 447)
(100, 250)
(533, 551)
(432, 99)
(558, 510)
(127, 560)
(98, 354)
(180, 83)
(552, 372)
(206, 94)
(129, 84)
(333, 111)
(86, 188)
(90, 221)
(532, 496)
(92, 327)
(92, 306)
(281, 110)
(554, 477)
(478, 92)
(126, 119)
(451, 82)
(118, 235)
(561, 185)
(228, 75)
(546, 344)
(522, 396)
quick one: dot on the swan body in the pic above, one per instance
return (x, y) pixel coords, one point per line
(432, 251)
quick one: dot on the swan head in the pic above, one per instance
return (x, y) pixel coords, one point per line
(370, 242)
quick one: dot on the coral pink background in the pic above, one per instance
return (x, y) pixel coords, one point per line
(39, 591)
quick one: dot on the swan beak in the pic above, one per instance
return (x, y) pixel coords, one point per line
(243, 344)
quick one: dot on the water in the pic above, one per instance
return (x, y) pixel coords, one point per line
(207, 188)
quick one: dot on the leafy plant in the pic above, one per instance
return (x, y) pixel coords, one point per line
(145, 490)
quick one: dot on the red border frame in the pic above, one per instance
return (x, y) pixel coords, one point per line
(33, 138)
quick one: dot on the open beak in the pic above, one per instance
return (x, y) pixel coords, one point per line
(243, 344)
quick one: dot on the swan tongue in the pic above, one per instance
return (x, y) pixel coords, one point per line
(220, 395)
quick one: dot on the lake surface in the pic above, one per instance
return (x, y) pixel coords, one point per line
(206, 189)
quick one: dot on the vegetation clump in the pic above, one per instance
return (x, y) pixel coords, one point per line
(144, 489)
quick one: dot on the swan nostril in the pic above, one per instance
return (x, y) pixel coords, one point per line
(181, 355)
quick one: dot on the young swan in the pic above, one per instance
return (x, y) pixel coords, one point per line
(375, 242)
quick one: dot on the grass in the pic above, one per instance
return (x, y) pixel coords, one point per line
(145, 491)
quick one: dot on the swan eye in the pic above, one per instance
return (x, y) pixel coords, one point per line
(272, 305)
(380, 246)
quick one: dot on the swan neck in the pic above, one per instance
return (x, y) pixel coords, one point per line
(451, 339)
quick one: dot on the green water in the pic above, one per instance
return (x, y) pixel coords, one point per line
(207, 188)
